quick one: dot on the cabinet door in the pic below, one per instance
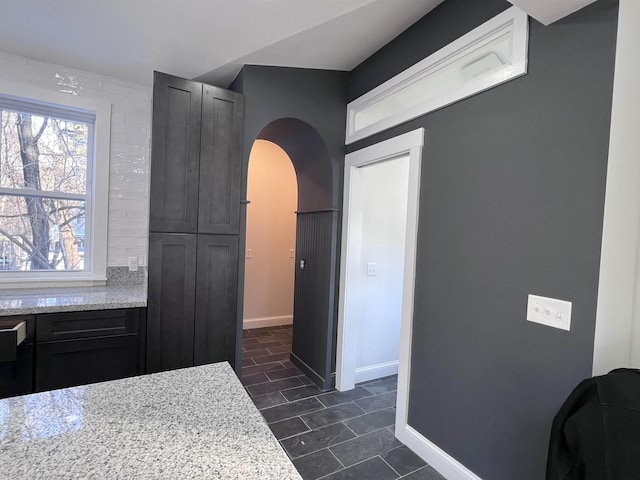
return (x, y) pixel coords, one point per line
(171, 297)
(16, 378)
(216, 297)
(220, 161)
(69, 363)
(175, 154)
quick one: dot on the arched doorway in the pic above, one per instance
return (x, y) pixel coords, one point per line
(316, 251)
(272, 190)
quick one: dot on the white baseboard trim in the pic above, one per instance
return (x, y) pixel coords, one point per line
(371, 372)
(445, 464)
(262, 322)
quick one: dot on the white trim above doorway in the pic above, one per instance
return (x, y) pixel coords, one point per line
(489, 55)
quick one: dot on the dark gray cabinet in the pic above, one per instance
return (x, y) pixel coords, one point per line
(177, 105)
(216, 298)
(16, 369)
(220, 165)
(194, 227)
(77, 348)
(171, 301)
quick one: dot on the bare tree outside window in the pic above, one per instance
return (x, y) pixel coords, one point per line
(43, 187)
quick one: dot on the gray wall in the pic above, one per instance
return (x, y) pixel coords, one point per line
(512, 199)
(303, 111)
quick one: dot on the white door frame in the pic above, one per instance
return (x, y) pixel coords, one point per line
(408, 144)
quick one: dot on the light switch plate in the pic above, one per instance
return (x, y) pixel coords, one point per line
(249, 253)
(549, 311)
(133, 264)
(372, 269)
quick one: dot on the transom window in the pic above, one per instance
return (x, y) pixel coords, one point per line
(46, 161)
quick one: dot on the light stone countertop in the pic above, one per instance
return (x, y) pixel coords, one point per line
(71, 299)
(193, 423)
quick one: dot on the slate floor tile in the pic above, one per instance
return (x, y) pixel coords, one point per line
(279, 349)
(336, 398)
(314, 440)
(306, 380)
(425, 473)
(269, 400)
(285, 373)
(372, 469)
(378, 402)
(258, 346)
(267, 367)
(317, 465)
(331, 415)
(268, 358)
(260, 352)
(285, 383)
(282, 336)
(247, 361)
(253, 379)
(403, 460)
(383, 386)
(372, 421)
(301, 392)
(257, 333)
(292, 409)
(288, 428)
(360, 448)
(249, 341)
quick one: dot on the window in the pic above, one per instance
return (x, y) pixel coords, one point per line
(491, 54)
(45, 154)
(52, 214)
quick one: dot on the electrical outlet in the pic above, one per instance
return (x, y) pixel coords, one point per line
(549, 311)
(372, 269)
(133, 264)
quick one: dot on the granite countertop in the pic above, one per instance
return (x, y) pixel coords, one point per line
(193, 423)
(71, 299)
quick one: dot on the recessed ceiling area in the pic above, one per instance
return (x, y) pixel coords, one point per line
(210, 41)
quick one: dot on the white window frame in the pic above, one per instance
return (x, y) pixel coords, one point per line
(513, 22)
(97, 195)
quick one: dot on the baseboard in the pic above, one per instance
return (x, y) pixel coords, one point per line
(261, 322)
(310, 372)
(371, 372)
(444, 463)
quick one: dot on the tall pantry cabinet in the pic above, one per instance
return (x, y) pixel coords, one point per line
(194, 226)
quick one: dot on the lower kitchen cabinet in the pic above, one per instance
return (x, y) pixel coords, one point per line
(77, 348)
(193, 292)
(16, 361)
(78, 362)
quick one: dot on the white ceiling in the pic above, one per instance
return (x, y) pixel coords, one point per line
(129, 39)
(549, 11)
(211, 39)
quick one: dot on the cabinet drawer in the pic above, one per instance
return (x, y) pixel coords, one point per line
(78, 362)
(12, 334)
(73, 325)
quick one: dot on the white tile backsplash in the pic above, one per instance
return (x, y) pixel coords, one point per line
(130, 154)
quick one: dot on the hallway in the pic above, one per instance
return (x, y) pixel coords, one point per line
(328, 435)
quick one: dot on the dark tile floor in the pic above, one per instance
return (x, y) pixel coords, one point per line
(328, 435)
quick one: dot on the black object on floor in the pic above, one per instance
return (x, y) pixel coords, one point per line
(596, 433)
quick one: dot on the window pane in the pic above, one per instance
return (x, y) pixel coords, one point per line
(53, 156)
(41, 233)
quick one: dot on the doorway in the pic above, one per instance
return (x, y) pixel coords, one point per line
(400, 158)
(316, 249)
(272, 190)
